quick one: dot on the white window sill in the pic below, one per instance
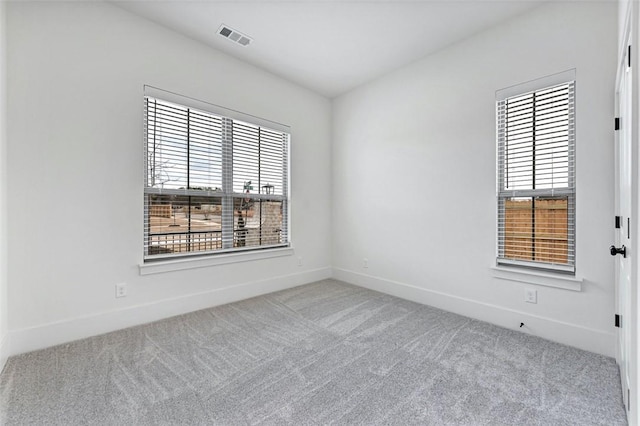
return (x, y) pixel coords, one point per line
(547, 279)
(162, 266)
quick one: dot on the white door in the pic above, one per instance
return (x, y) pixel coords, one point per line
(623, 232)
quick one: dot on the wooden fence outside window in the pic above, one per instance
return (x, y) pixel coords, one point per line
(536, 230)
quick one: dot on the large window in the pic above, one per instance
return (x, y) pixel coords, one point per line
(213, 184)
(536, 178)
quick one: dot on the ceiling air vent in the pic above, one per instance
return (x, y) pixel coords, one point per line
(234, 35)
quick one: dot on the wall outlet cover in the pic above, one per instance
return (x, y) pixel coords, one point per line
(121, 290)
(530, 295)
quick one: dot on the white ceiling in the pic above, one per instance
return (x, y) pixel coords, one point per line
(330, 46)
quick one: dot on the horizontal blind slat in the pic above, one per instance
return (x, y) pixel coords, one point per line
(184, 211)
(535, 158)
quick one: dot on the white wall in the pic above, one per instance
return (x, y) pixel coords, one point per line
(75, 74)
(3, 179)
(412, 164)
(414, 175)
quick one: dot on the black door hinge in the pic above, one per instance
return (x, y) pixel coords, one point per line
(618, 321)
(628, 228)
(617, 124)
(618, 222)
(629, 56)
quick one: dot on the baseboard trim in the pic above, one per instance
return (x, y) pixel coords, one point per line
(56, 333)
(4, 350)
(575, 335)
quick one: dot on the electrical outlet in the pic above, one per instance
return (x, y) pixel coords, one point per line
(530, 295)
(299, 260)
(121, 290)
(365, 263)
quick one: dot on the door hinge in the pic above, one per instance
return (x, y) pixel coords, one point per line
(628, 228)
(616, 125)
(629, 56)
(618, 321)
(618, 222)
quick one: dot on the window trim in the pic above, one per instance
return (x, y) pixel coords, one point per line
(161, 262)
(190, 102)
(208, 259)
(523, 265)
(538, 277)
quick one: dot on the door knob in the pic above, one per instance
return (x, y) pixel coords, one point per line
(615, 250)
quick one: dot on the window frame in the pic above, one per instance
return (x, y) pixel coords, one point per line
(225, 194)
(502, 194)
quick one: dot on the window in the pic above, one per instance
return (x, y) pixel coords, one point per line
(536, 177)
(213, 184)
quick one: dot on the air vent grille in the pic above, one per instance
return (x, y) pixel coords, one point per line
(233, 35)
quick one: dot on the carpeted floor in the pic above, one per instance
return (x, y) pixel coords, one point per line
(324, 353)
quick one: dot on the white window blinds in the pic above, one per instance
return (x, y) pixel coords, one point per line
(212, 184)
(536, 178)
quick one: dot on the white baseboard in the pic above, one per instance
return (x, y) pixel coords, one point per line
(47, 335)
(4, 350)
(591, 340)
(43, 336)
